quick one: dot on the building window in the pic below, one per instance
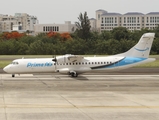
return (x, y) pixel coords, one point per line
(48, 28)
(98, 16)
(44, 28)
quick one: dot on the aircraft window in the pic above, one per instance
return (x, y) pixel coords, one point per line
(82, 63)
(104, 63)
(92, 62)
(66, 63)
(73, 63)
(76, 63)
(98, 62)
(95, 63)
(86, 63)
(110, 62)
(70, 63)
(107, 62)
(101, 62)
(79, 63)
(15, 63)
(89, 63)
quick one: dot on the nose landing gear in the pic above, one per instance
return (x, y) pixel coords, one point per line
(13, 75)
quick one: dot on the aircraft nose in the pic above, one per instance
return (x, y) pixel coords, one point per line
(6, 68)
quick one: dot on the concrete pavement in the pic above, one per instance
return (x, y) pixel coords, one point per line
(88, 97)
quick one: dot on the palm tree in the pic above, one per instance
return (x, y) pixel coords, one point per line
(83, 26)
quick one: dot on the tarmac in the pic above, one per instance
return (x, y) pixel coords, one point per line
(87, 97)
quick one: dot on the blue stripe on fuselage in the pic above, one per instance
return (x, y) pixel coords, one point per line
(126, 61)
(123, 62)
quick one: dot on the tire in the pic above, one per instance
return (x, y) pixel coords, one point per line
(13, 75)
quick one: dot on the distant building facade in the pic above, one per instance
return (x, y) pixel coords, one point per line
(20, 22)
(61, 28)
(104, 20)
(131, 20)
(93, 24)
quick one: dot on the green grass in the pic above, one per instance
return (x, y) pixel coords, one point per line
(25, 56)
(3, 63)
(154, 64)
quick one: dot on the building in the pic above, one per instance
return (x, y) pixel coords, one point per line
(20, 22)
(131, 20)
(61, 28)
(23, 22)
(93, 24)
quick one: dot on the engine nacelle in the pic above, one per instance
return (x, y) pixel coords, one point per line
(64, 58)
(67, 58)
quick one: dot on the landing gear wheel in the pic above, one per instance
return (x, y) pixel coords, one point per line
(13, 75)
(74, 74)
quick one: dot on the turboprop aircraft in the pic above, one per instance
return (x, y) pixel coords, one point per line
(74, 65)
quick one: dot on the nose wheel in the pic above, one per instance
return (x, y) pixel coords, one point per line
(13, 75)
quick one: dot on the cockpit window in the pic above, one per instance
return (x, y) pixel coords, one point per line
(15, 63)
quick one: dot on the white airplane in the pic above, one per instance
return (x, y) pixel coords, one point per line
(75, 64)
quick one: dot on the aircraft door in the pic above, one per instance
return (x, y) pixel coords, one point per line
(116, 63)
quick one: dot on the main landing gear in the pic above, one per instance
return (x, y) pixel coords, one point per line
(73, 74)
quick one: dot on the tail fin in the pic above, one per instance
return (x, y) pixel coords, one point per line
(142, 48)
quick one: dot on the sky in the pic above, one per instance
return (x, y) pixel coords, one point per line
(59, 11)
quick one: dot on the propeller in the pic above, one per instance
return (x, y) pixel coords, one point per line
(55, 60)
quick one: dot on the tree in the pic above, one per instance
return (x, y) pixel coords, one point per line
(12, 35)
(105, 35)
(83, 26)
(65, 36)
(120, 33)
(157, 31)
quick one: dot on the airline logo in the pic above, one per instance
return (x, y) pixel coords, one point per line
(142, 49)
(47, 64)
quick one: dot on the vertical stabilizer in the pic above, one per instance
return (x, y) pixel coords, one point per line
(142, 48)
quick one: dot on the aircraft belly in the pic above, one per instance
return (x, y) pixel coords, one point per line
(82, 69)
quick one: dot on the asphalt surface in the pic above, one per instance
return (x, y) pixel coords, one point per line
(87, 97)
